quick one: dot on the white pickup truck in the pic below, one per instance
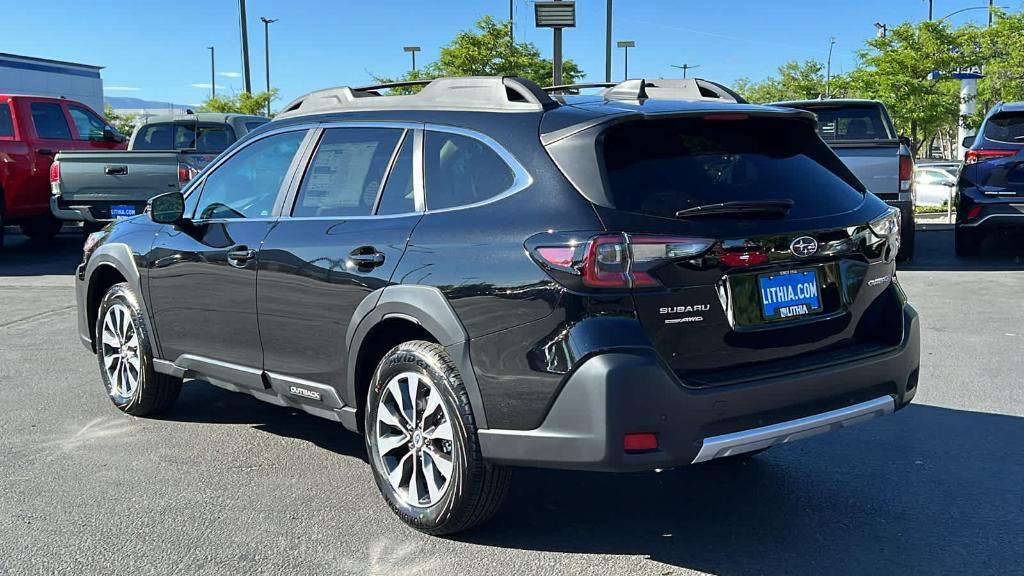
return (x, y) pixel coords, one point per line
(862, 135)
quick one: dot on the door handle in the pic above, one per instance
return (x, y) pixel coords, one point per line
(240, 255)
(115, 170)
(366, 257)
(45, 151)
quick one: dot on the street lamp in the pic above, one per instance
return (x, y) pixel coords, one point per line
(626, 45)
(412, 50)
(246, 79)
(685, 67)
(213, 75)
(266, 47)
(828, 69)
(990, 8)
(882, 29)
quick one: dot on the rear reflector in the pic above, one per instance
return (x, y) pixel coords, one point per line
(640, 442)
(744, 258)
(974, 213)
(975, 156)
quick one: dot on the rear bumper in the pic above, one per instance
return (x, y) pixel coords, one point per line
(93, 211)
(631, 391)
(995, 216)
(906, 208)
(71, 214)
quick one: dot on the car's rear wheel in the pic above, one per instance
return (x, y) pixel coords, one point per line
(422, 443)
(907, 241)
(966, 243)
(41, 229)
(126, 356)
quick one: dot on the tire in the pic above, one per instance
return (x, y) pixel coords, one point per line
(966, 243)
(41, 229)
(906, 253)
(474, 489)
(120, 322)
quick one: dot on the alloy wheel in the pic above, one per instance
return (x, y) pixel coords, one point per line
(414, 439)
(120, 348)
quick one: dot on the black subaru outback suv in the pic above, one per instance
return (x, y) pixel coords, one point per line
(481, 276)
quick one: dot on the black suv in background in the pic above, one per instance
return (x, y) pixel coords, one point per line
(482, 275)
(990, 191)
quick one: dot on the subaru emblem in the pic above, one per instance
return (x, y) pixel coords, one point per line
(804, 247)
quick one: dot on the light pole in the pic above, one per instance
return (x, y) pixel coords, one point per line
(555, 14)
(626, 45)
(412, 50)
(929, 10)
(246, 80)
(608, 44)
(213, 75)
(990, 8)
(882, 29)
(828, 69)
(266, 47)
(685, 67)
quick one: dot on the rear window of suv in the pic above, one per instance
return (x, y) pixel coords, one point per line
(1006, 127)
(661, 167)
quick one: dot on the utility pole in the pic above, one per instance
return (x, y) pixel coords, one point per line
(930, 10)
(213, 74)
(828, 72)
(511, 25)
(266, 47)
(685, 67)
(608, 44)
(246, 80)
(990, 7)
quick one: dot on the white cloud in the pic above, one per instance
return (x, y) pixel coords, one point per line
(230, 74)
(121, 89)
(205, 85)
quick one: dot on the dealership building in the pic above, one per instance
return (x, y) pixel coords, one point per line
(54, 78)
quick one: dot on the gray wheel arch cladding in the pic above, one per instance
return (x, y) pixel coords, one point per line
(427, 307)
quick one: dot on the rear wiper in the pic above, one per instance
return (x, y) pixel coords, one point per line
(777, 207)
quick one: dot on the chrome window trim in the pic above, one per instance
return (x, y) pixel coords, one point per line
(419, 193)
(521, 180)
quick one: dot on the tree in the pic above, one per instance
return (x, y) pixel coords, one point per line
(124, 123)
(1002, 48)
(240, 103)
(796, 81)
(488, 50)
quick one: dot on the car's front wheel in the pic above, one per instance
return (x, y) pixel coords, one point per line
(422, 443)
(126, 357)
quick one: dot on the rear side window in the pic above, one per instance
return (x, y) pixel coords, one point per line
(6, 122)
(398, 197)
(254, 124)
(851, 122)
(661, 167)
(346, 172)
(1006, 127)
(460, 170)
(49, 121)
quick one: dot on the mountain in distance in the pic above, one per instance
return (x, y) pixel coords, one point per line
(129, 103)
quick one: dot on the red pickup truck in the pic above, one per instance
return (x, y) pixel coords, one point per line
(32, 130)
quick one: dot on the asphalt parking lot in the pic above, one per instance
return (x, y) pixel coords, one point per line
(224, 484)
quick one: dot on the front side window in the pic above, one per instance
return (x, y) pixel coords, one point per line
(49, 121)
(346, 172)
(247, 184)
(460, 170)
(6, 122)
(89, 126)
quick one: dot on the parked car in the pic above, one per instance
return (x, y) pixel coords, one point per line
(933, 186)
(480, 276)
(990, 191)
(164, 153)
(32, 130)
(862, 134)
(951, 167)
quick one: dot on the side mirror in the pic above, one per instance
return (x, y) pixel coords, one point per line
(109, 135)
(905, 141)
(968, 141)
(168, 208)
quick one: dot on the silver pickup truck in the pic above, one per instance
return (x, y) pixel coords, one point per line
(862, 135)
(163, 155)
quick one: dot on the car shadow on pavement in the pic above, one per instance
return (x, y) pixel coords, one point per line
(1002, 250)
(928, 491)
(58, 256)
(204, 402)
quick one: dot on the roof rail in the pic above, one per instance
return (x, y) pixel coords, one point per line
(470, 93)
(662, 88)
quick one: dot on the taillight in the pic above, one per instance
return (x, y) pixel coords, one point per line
(619, 260)
(751, 258)
(906, 173)
(975, 156)
(55, 179)
(186, 173)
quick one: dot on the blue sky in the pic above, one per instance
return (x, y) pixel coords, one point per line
(157, 50)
